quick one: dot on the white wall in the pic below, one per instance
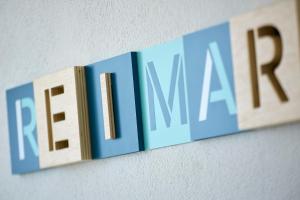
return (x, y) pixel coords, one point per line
(39, 37)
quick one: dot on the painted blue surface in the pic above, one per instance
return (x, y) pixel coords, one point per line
(163, 95)
(126, 102)
(220, 119)
(29, 161)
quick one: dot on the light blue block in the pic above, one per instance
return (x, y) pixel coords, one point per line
(164, 95)
(212, 104)
(22, 129)
(126, 106)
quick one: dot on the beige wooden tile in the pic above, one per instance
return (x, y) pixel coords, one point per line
(63, 133)
(265, 46)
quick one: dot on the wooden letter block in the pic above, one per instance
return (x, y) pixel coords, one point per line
(22, 129)
(266, 59)
(61, 109)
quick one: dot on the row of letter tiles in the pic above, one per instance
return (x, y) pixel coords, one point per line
(213, 82)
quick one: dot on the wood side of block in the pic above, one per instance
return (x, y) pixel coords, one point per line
(107, 106)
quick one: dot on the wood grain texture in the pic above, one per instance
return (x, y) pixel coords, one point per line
(270, 107)
(62, 122)
(107, 106)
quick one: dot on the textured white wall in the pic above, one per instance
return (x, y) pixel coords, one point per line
(39, 37)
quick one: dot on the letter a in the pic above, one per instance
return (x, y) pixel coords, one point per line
(225, 93)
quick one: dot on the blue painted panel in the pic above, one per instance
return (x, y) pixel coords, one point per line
(212, 104)
(22, 129)
(125, 92)
(163, 95)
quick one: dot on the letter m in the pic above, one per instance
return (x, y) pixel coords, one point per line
(154, 86)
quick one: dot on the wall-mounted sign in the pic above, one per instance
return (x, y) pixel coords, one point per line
(239, 75)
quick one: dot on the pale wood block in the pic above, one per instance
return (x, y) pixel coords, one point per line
(83, 112)
(63, 133)
(107, 106)
(266, 97)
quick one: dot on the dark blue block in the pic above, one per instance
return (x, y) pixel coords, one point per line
(126, 106)
(209, 71)
(22, 129)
